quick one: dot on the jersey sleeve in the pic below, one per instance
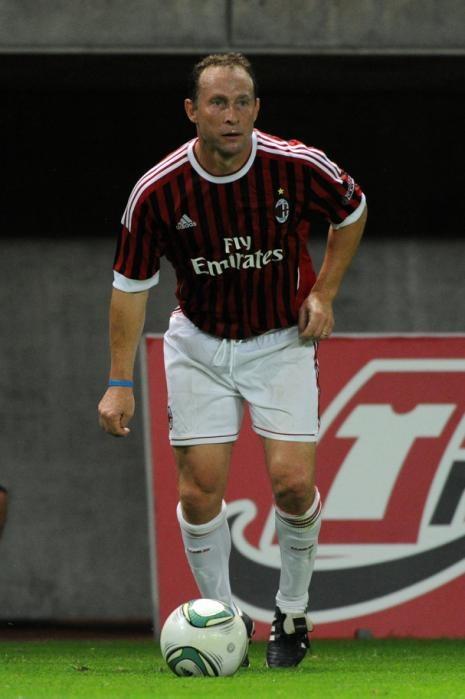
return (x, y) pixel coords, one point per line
(139, 248)
(332, 192)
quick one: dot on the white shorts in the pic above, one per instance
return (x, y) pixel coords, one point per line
(209, 379)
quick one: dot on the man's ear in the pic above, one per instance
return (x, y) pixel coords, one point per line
(257, 108)
(191, 110)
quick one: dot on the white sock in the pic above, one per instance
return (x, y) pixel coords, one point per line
(298, 541)
(207, 548)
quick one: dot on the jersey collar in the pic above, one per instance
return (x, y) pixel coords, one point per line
(225, 178)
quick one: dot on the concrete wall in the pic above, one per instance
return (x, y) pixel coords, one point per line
(209, 25)
(75, 546)
(349, 25)
(139, 24)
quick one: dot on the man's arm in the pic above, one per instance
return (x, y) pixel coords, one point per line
(316, 318)
(127, 316)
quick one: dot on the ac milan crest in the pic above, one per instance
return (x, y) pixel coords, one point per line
(281, 210)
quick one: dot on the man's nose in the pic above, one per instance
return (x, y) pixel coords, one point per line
(230, 115)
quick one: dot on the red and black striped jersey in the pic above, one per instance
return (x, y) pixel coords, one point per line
(238, 243)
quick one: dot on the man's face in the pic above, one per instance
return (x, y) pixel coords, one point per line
(225, 110)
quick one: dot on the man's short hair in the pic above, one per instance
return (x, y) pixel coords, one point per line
(223, 60)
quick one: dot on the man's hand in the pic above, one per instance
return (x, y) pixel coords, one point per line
(127, 314)
(316, 318)
(116, 410)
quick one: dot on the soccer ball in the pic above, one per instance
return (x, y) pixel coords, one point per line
(204, 637)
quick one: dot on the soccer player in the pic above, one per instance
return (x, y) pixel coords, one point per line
(3, 507)
(231, 210)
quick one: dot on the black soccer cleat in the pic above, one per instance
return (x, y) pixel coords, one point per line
(250, 628)
(288, 642)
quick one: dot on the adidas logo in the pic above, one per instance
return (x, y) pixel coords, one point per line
(185, 222)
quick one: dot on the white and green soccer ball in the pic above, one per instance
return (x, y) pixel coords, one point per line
(204, 637)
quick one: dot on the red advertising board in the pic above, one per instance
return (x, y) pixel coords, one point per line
(391, 471)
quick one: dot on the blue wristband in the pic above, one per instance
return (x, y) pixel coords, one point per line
(125, 383)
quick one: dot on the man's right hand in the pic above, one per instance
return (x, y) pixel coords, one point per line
(116, 410)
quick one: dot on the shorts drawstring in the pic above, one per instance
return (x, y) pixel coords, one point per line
(225, 354)
(219, 358)
(232, 347)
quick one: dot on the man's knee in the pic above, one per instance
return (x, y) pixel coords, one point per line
(294, 493)
(291, 466)
(201, 483)
(199, 501)
(292, 484)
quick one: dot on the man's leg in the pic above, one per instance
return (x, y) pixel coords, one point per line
(291, 467)
(202, 477)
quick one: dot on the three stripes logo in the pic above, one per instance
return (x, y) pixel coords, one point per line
(185, 222)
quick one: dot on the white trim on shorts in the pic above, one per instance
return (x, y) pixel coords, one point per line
(203, 439)
(285, 436)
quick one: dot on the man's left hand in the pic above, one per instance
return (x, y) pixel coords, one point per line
(316, 318)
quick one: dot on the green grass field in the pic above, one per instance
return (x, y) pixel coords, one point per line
(135, 670)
